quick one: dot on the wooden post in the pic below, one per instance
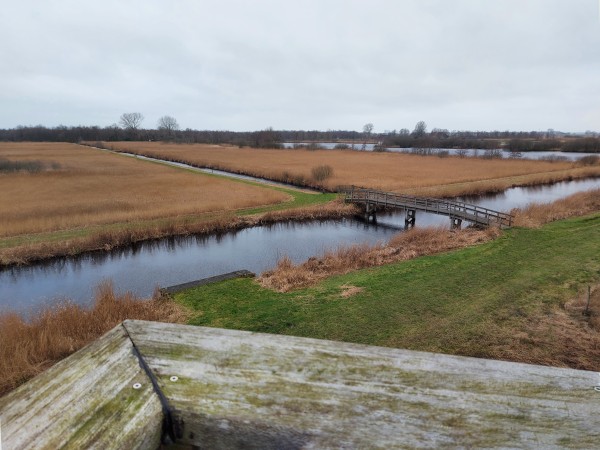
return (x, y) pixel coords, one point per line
(456, 222)
(587, 306)
(370, 213)
(411, 215)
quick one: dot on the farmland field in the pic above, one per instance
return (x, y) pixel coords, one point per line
(66, 186)
(389, 171)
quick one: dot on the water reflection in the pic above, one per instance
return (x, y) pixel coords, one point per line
(176, 260)
(521, 197)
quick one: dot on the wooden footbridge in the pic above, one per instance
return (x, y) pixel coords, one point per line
(372, 200)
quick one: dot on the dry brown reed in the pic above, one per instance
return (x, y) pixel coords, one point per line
(563, 336)
(411, 244)
(501, 184)
(578, 204)
(94, 187)
(31, 346)
(332, 210)
(397, 172)
(105, 240)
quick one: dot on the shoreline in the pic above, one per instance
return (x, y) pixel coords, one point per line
(105, 240)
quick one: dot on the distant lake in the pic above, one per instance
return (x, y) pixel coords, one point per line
(469, 152)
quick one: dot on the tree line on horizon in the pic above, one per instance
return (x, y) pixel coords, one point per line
(167, 129)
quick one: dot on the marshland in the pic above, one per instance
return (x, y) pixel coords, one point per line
(152, 155)
(407, 173)
(62, 201)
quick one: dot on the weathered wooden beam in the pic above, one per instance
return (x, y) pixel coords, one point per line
(455, 222)
(234, 389)
(86, 401)
(248, 390)
(204, 281)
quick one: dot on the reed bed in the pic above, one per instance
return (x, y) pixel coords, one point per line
(404, 246)
(31, 346)
(105, 240)
(92, 187)
(499, 185)
(387, 171)
(538, 214)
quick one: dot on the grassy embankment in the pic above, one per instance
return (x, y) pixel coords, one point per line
(79, 199)
(510, 298)
(410, 174)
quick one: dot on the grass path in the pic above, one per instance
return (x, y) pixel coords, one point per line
(472, 301)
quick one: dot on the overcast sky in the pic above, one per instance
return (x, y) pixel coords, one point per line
(303, 64)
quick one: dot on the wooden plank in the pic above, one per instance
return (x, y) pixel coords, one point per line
(249, 390)
(204, 281)
(85, 401)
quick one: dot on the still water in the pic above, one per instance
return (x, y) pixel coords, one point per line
(178, 260)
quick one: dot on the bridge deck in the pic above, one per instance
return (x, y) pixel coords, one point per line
(453, 209)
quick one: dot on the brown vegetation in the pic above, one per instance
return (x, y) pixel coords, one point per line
(501, 184)
(405, 173)
(107, 239)
(563, 336)
(321, 173)
(349, 290)
(29, 347)
(93, 187)
(411, 244)
(538, 214)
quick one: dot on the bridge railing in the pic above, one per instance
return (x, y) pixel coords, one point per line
(465, 211)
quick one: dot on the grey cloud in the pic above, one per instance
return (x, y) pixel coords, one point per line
(234, 64)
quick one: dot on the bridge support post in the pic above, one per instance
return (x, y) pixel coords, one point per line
(411, 215)
(455, 222)
(370, 213)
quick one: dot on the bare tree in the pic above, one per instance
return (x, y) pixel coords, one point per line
(267, 138)
(167, 125)
(131, 121)
(420, 129)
